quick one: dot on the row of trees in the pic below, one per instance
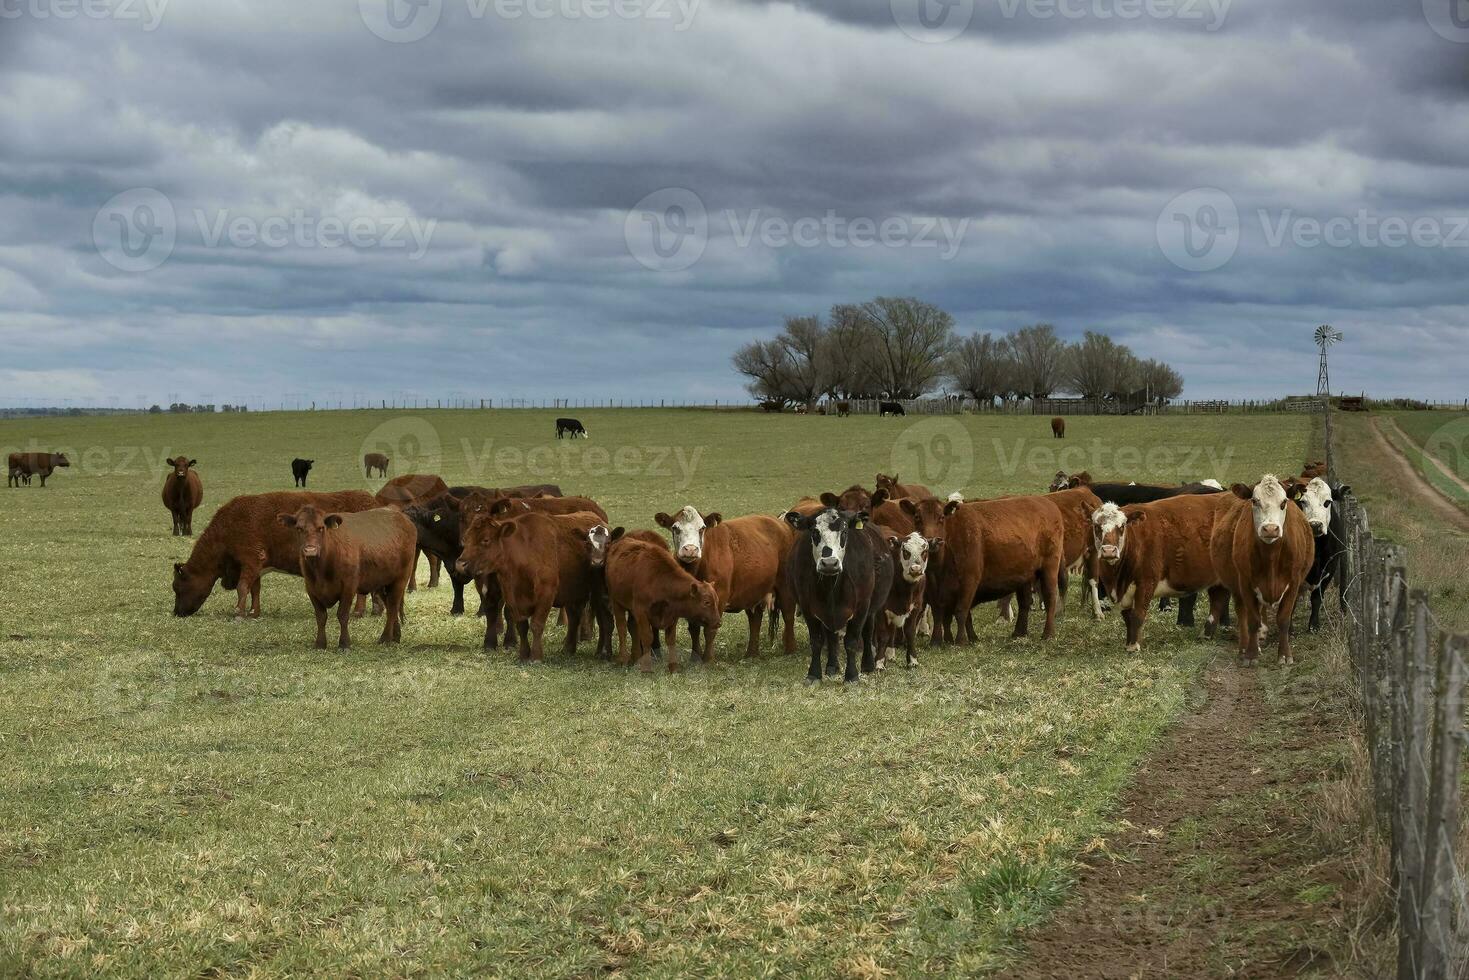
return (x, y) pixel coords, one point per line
(897, 348)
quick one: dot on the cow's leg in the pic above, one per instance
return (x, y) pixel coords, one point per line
(1283, 615)
(413, 578)
(359, 607)
(649, 632)
(817, 634)
(573, 629)
(1317, 591)
(1218, 603)
(881, 639)
(538, 632)
(254, 593)
(868, 629)
(755, 616)
(695, 643)
(1249, 624)
(788, 615)
(522, 633)
(344, 616)
(856, 643)
(320, 611)
(1186, 607)
(1007, 609)
(619, 619)
(393, 621)
(602, 611)
(433, 571)
(1051, 591)
(1141, 599)
(457, 581)
(834, 642)
(910, 638)
(1022, 611)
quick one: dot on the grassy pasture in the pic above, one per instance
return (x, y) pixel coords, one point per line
(204, 796)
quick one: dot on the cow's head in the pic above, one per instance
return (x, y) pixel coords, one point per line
(484, 539)
(829, 531)
(599, 537)
(889, 483)
(1315, 503)
(312, 528)
(687, 529)
(59, 459)
(854, 499)
(928, 517)
(436, 520)
(190, 589)
(181, 466)
(911, 556)
(1268, 501)
(1109, 530)
(1059, 482)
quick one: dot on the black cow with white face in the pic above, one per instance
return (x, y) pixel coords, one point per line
(841, 571)
(1321, 503)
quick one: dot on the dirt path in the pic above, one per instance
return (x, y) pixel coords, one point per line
(1431, 495)
(1207, 875)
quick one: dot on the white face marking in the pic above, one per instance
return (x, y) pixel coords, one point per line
(1268, 504)
(915, 557)
(956, 497)
(827, 545)
(688, 534)
(598, 536)
(1109, 526)
(1316, 505)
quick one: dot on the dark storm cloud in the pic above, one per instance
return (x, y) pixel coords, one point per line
(1049, 136)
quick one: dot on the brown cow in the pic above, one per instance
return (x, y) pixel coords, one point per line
(646, 581)
(994, 549)
(1312, 470)
(480, 502)
(904, 606)
(1076, 507)
(1157, 549)
(855, 499)
(1262, 550)
(410, 490)
(540, 561)
(1058, 428)
(182, 493)
(744, 559)
(896, 490)
(598, 540)
(244, 539)
(357, 553)
(375, 461)
(23, 466)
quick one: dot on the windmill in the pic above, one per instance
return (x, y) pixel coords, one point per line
(1325, 337)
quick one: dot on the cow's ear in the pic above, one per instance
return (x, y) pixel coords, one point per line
(1341, 491)
(879, 497)
(694, 589)
(617, 533)
(286, 520)
(505, 530)
(662, 519)
(171, 461)
(830, 499)
(713, 520)
(908, 507)
(332, 521)
(449, 501)
(861, 519)
(193, 462)
(1294, 489)
(951, 507)
(499, 507)
(1242, 490)
(793, 518)
(1134, 515)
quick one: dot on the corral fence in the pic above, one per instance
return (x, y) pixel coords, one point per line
(1411, 676)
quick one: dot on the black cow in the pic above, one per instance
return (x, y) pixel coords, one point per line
(1123, 494)
(437, 523)
(1321, 502)
(841, 571)
(571, 427)
(299, 468)
(890, 408)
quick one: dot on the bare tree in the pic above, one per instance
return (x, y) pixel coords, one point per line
(806, 371)
(849, 354)
(1161, 380)
(1039, 356)
(764, 362)
(910, 344)
(1098, 367)
(982, 368)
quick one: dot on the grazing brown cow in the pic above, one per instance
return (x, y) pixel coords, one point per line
(182, 493)
(375, 461)
(1312, 470)
(855, 499)
(1058, 428)
(1157, 549)
(540, 561)
(244, 539)
(896, 490)
(994, 549)
(23, 466)
(479, 502)
(1262, 551)
(744, 560)
(904, 606)
(410, 490)
(343, 556)
(645, 581)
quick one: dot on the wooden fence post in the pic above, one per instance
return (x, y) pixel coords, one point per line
(1436, 912)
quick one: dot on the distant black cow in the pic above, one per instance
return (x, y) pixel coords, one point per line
(570, 427)
(844, 409)
(1321, 502)
(771, 406)
(841, 571)
(299, 468)
(890, 408)
(1123, 494)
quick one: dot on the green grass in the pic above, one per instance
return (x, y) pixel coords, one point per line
(1446, 436)
(202, 796)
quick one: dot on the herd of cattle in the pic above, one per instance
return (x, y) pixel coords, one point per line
(867, 570)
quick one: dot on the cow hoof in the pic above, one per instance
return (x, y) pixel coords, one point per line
(852, 680)
(881, 664)
(912, 662)
(1133, 647)
(810, 681)
(1287, 661)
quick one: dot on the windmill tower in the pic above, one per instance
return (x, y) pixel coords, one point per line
(1325, 337)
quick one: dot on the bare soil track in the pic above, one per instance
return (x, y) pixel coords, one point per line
(1214, 872)
(1432, 496)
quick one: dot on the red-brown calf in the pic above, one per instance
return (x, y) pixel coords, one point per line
(646, 581)
(182, 493)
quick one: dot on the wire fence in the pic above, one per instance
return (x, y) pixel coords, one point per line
(1412, 675)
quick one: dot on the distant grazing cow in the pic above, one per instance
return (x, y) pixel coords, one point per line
(743, 559)
(23, 466)
(1158, 549)
(479, 503)
(1313, 469)
(771, 406)
(1321, 503)
(1058, 428)
(890, 408)
(1262, 551)
(244, 539)
(1123, 494)
(182, 493)
(405, 491)
(840, 570)
(647, 584)
(904, 606)
(541, 562)
(570, 427)
(844, 409)
(896, 490)
(377, 462)
(345, 555)
(299, 468)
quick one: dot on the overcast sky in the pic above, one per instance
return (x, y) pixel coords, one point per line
(220, 201)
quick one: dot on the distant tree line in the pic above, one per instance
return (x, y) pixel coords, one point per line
(895, 348)
(179, 408)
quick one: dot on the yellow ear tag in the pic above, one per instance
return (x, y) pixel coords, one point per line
(438, 517)
(858, 525)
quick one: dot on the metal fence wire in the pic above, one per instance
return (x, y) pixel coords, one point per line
(1412, 675)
